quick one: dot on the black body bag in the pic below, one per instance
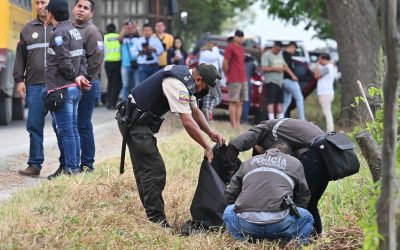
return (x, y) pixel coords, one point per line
(54, 100)
(221, 164)
(339, 156)
(208, 203)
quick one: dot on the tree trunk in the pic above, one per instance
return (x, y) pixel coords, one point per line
(372, 153)
(356, 31)
(387, 203)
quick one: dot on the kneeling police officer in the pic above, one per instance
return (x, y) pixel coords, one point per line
(174, 88)
(260, 194)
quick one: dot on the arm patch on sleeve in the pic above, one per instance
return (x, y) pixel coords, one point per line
(183, 97)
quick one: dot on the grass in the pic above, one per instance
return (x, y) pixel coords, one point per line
(103, 211)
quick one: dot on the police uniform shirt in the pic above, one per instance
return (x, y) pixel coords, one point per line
(178, 96)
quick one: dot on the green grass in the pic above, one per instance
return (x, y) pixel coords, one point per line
(103, 211)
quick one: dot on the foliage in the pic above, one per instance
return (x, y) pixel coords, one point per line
(312, 12)
(205, 16)
(371, 233)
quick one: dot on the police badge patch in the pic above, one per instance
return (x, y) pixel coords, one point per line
(100, 45)
(168, 67)
(58, 40)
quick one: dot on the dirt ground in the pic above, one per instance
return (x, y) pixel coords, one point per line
(108, 145)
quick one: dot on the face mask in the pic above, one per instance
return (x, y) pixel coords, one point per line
(201, 94)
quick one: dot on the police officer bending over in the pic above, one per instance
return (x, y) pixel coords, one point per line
(304, 139)
(173, 88)
(260, 196)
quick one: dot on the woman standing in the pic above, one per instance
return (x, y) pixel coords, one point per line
(177, 54)
(325, 73)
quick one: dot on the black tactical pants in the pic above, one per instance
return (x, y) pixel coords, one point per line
(149, 170)
(317, 178)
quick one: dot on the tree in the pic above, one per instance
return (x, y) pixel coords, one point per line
(387, 204)
(353, 24)
(205, 16)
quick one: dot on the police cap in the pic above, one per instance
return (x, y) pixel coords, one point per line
(210, 75)
(59, 9)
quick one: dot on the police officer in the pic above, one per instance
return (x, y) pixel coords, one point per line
(30, 63)
(94, 51)
(173, 88)
(304, 139)
(112, 64)
(260, 196)
(65, 70)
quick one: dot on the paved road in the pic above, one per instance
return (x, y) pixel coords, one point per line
(15, 139)
(14, 149)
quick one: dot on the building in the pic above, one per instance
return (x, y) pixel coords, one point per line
(140, 11)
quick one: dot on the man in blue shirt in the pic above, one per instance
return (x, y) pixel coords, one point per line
(148, 49)
(129, 72)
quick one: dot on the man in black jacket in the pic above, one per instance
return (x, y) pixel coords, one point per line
(28, 74)
(65, 76)
(94, 51)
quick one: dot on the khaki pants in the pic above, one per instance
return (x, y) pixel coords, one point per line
(326, 102)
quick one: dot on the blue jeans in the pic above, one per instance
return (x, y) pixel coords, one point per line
(130, 79)
(85, 112)
(292, 89)
(35, 96)
(146, 70)
(287, 229)
(66, 118)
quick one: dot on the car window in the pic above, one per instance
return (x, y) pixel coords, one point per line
(299, 52)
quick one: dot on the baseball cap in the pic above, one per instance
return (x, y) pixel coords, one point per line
(59, 9)
(210, 75)
(239, 33)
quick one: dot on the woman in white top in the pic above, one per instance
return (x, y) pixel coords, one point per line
(210, 54)
(325, 73)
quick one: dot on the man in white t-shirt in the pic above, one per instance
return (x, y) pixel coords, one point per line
(325, 72)
(173, 88)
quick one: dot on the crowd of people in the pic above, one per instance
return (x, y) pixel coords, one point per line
(57, 69)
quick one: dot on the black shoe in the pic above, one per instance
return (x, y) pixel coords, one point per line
(162, 222)
(191, 227)
(86, 169)
(56, 174)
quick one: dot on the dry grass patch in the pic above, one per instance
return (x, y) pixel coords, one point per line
(103, 211)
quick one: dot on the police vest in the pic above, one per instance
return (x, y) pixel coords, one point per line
(112, 48)
(149, 94)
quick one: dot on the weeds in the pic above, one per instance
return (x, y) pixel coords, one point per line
(103, 210)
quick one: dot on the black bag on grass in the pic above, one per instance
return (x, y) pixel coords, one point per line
(339, 156)
(208, 203)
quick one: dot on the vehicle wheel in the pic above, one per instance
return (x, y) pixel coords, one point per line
(18, 109)
(5, 110)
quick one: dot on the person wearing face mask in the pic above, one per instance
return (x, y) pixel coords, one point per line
(173, 88)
